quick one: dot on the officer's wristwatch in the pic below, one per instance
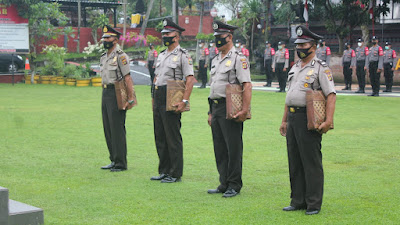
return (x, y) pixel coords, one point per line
(185, 101)
(131, 101)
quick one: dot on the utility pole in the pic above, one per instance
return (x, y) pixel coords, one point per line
(79, 27)
(124, 30)
(174, 11)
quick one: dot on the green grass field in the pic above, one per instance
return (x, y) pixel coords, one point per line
(52, 146)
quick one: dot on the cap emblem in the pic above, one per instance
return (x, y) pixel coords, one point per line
(299, 31)
(215, 26)
(105, 29)
(165, 23)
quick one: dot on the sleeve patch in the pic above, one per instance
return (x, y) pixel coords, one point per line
(244, 65)
(123, 60)
(190, 60)
(329, 74)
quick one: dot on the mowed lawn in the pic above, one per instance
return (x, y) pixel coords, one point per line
(52, 146)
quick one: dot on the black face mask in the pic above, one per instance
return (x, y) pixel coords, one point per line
(108, 44)
(303, 53)
(219, 41)
(168, 40)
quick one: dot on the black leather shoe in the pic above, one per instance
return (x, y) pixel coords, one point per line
(312, 211)
(169, 179)
(373, 94)
(117, 169)
(230, 193)
(214, 191)
(292, 208)
(160, 177)
(111, 165)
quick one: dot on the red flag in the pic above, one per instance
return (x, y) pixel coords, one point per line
(305, 13)
(371, 9)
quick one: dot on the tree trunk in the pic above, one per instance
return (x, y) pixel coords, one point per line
(200, 30)
(340, 40)
(144, 25)
(124, 30)
(365, 33)
(252, 40)
(79, 27)
(174, 11)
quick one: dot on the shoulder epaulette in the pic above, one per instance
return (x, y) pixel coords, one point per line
(119, 51)
(239, 53)
(322, 62)
(163, 51)
(103, 54)
(184, 50)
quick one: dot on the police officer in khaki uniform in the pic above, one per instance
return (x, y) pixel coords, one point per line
(151, 58)
(229, 66)
(362, 52)
(174, 63)
(269, 54)
(114, 65)
(280, 64)
(303, 145)
(213, 52)
(389, 64)
(374, 64)
(203, 63)
(323, 52)
(348, 63)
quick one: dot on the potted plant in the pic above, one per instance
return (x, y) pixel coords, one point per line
(68, 71)
(82, 75)
(46, 73)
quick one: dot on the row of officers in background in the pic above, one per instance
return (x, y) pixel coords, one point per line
(374, 59)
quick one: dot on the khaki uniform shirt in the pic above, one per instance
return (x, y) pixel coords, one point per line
(152, 55)
(178, 60)
(324, 53)
(314, 75)
(361, 53)
(226, 70)
(213, 52)
(281, 56)
(389, 56)
(205, 55)
(349, 56)
(375, 55)
(117, 62)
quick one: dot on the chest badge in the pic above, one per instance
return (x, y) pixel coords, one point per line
(114, 59)
(307, 77)
(306, 85)
(310, 73)
(228, 63)
(175, 58)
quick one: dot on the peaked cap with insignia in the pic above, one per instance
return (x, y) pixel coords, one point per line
(360, 40)
(304, 35)
(388, 43)
(170, 26)
(222, 28)
(110, 32)
(375, 38)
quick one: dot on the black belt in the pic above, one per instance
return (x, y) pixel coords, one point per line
(218, 100)
(108, 86)
(160, 87)
(295, 109)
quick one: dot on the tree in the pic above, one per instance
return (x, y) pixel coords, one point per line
(232, 5)
(97, 20)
